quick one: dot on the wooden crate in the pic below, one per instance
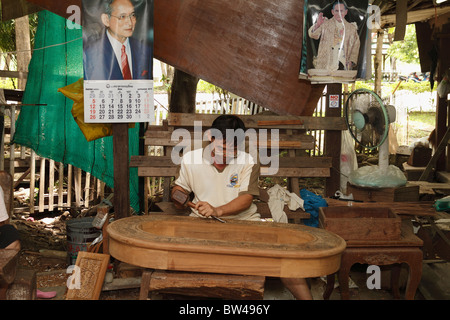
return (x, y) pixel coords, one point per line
(356, 223)
(398, 194)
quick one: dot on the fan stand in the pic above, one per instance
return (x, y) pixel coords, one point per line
(383, 194)
(383, 155)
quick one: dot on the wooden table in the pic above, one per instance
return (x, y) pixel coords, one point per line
(236, 247)
(405, 250)
(250, 248)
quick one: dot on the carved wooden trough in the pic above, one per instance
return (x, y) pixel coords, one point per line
(238, 247)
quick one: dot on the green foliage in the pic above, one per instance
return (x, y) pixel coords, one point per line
(414, 87)
(388, 88)
(207, 87)
(406, 50)
(428, 118)
(8, 36)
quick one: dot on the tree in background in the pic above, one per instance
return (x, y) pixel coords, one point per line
(405, 50)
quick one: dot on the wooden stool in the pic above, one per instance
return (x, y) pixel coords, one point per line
(24, 286)
(381, 253)
(212, 285)
(8, 268)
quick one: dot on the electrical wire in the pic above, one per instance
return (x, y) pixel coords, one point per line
(46, 47)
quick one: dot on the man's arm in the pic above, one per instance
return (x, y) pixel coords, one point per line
(233, 207)
(315, 30)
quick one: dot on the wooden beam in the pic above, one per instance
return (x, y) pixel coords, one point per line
(13, 74)
(401, 19)
(378, 61)
(309, 123)
(121, 170)
(12, 9)
(333, 140)
(389, 20)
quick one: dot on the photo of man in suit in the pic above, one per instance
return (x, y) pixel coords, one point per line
(116, 54)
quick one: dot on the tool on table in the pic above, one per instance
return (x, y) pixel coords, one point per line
(183, 199)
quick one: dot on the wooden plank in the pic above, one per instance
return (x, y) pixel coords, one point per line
(333, 139)
(401, 19)
(61, 184)
(157, 172)
(12, 9)
(51, 184)
(32, 179)
(13, 74)
(164, 138)
(210, 285)
(8, 264)
(297, 172)
(432, 164)
(42, 185)
(307, 144)
(91, 272)
(279, 122)
(410, 208)
(403, 193)
(121, 170)
(87, 189)
(284, 162)
(77, 184)
(282, 172)
(267, 54)
(69, 184)
(251, 121)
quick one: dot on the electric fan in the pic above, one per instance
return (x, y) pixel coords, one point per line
(368, 122)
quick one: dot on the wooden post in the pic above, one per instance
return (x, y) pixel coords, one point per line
(121, 170)
(441, 103)
(378, 62)
(333, 139)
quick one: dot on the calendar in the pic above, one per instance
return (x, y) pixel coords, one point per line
(116, 101)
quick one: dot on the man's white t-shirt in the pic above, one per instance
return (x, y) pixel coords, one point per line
(216, 187)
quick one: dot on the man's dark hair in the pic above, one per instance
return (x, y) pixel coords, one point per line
(107, 6)
(230, 123)
(339, 2)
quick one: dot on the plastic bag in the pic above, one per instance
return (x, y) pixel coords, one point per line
(91, 131)
(443, 88)
(349, 162)
(442, 204)
(374, 176)
(312, 203)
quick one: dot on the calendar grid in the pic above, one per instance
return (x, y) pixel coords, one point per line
(118, 101)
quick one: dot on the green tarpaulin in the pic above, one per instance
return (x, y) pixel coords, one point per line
(51, 130)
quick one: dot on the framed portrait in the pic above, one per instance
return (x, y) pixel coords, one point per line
(118, 60)
(336, 41)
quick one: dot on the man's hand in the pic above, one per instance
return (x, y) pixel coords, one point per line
(320, 19)
(207, 210)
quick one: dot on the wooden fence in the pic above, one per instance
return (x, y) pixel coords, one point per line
(42, 184)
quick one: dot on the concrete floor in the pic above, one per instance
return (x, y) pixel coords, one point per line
(434, 285)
